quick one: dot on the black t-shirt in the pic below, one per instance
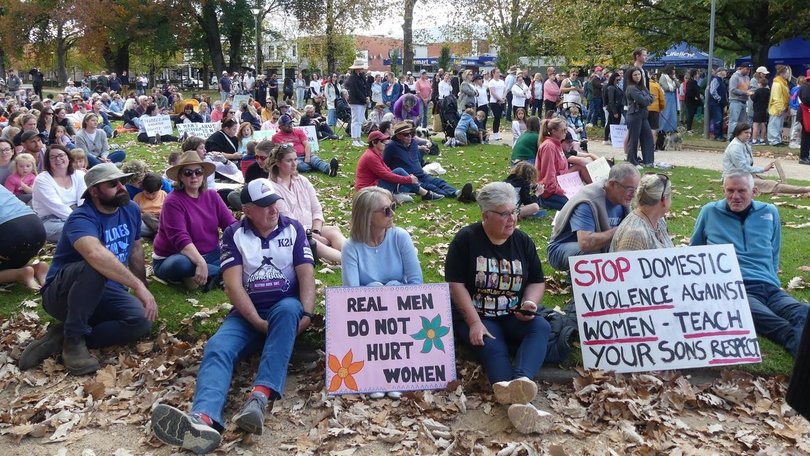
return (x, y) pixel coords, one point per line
(494, 275)
(254, 172)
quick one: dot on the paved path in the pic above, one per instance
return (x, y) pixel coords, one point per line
(705, 159)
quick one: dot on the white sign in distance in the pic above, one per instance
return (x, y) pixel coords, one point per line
(157, 125)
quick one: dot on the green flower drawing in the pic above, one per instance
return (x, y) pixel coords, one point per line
(432, 333)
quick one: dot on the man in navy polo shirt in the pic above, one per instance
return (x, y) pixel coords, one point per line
(269, 278)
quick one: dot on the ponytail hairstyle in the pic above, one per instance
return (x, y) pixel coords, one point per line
(550, 125)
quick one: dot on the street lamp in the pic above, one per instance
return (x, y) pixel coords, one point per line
(256, 11)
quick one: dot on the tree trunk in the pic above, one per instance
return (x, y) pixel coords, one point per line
(210, 25)
(407, 36)
(235, 52)
(121, 61)
(205, 77)
(2, 61)
(760, 41)
(61, 54)
(331, 46)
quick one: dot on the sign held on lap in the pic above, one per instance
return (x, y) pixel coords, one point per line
(200, 130)
(157, 125)
(392, 338)
(663, 309)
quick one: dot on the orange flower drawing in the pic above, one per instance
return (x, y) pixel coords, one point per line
(344, 371)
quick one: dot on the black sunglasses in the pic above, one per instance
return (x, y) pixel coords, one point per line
(388, 210)
(665, 179)
(113, 183)
(193, 172)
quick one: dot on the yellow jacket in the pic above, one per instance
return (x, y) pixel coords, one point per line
(780, 97)
(657, 93)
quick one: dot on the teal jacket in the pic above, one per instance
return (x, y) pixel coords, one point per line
(757, 240)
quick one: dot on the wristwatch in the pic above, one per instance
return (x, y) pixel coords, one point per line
(309, 314)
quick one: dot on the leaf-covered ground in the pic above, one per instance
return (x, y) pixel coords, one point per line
(45, 411)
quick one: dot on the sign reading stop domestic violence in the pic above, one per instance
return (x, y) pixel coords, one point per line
(392, 338)
(663, 309)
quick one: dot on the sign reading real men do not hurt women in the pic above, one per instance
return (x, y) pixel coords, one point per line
(663, 309)
(392, 338)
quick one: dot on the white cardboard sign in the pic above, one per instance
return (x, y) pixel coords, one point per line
(312, 137)
(617, 135)
(570, 183)
(157, 125)
(200, 130)
(663, 309)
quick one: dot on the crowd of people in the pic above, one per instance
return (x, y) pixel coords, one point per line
(98, 212)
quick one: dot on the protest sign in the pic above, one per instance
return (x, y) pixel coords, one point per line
(392, 338)
(157, 125)
(598, 169)
(570, 183)
(617, 134)
(239, 100)
(651, 310)
(312, 137)
(200, 130)
(260, 135)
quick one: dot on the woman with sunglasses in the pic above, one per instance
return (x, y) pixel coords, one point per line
(46, 121)
(186, 247)
(496, 285)
(377, 253)
(645, 227)
(301, 202)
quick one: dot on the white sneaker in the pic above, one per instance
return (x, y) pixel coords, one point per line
(794, 145)
(518, 391)
(401, 198)
(377, 395)
(527, 419)
(396, 395)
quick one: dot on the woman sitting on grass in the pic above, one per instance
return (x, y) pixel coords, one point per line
(645, 228)
(523, 177)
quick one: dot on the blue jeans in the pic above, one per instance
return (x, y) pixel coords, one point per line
(177, 267)
(436, 185)
(777, 315)
(223, 95)
(775, 125)
(315, 163)
(558, 254)
(330, 117)
(596, 112)
(553, 202)
(237, 339)
(716, 113)
(116, 157)
(531, 338)
(398, 188)
(736, 114)
(94, 307)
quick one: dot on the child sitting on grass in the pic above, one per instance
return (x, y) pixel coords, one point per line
(78, 158)
(465, 130)
(523, 176)
(150, 200)
(481, 123)
(22, 179)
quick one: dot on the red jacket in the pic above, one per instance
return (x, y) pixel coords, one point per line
(371, 169)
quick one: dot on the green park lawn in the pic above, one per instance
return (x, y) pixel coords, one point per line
(432, 226)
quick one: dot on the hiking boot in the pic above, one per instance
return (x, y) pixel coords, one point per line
(466, 193)
(527, 419)
(251, 416)
(431, 196)
(50, 344)
(333, 167)
(518, 391)
(190, 432)
(76, 358)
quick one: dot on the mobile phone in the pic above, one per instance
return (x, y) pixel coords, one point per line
(526, 312)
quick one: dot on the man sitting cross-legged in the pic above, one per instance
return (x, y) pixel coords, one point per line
(269, 278)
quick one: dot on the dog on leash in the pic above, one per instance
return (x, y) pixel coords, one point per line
(673, 141)
(422, 132)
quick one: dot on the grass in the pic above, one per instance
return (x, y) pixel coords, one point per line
(433, 225)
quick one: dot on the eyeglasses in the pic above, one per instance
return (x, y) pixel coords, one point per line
(58, 157)
(5, 149)
(409, 134)
(388, 210)
(48, 113)
(193, 172)
(261, 157)
(629, 189)
(513, 213)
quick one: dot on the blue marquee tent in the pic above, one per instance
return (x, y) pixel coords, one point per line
(681, 55)
(794, 53)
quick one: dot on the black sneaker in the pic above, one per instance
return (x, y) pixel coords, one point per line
(431, 196)
(466, 195)
(333, 167)
(173, 427)
(804, 161)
